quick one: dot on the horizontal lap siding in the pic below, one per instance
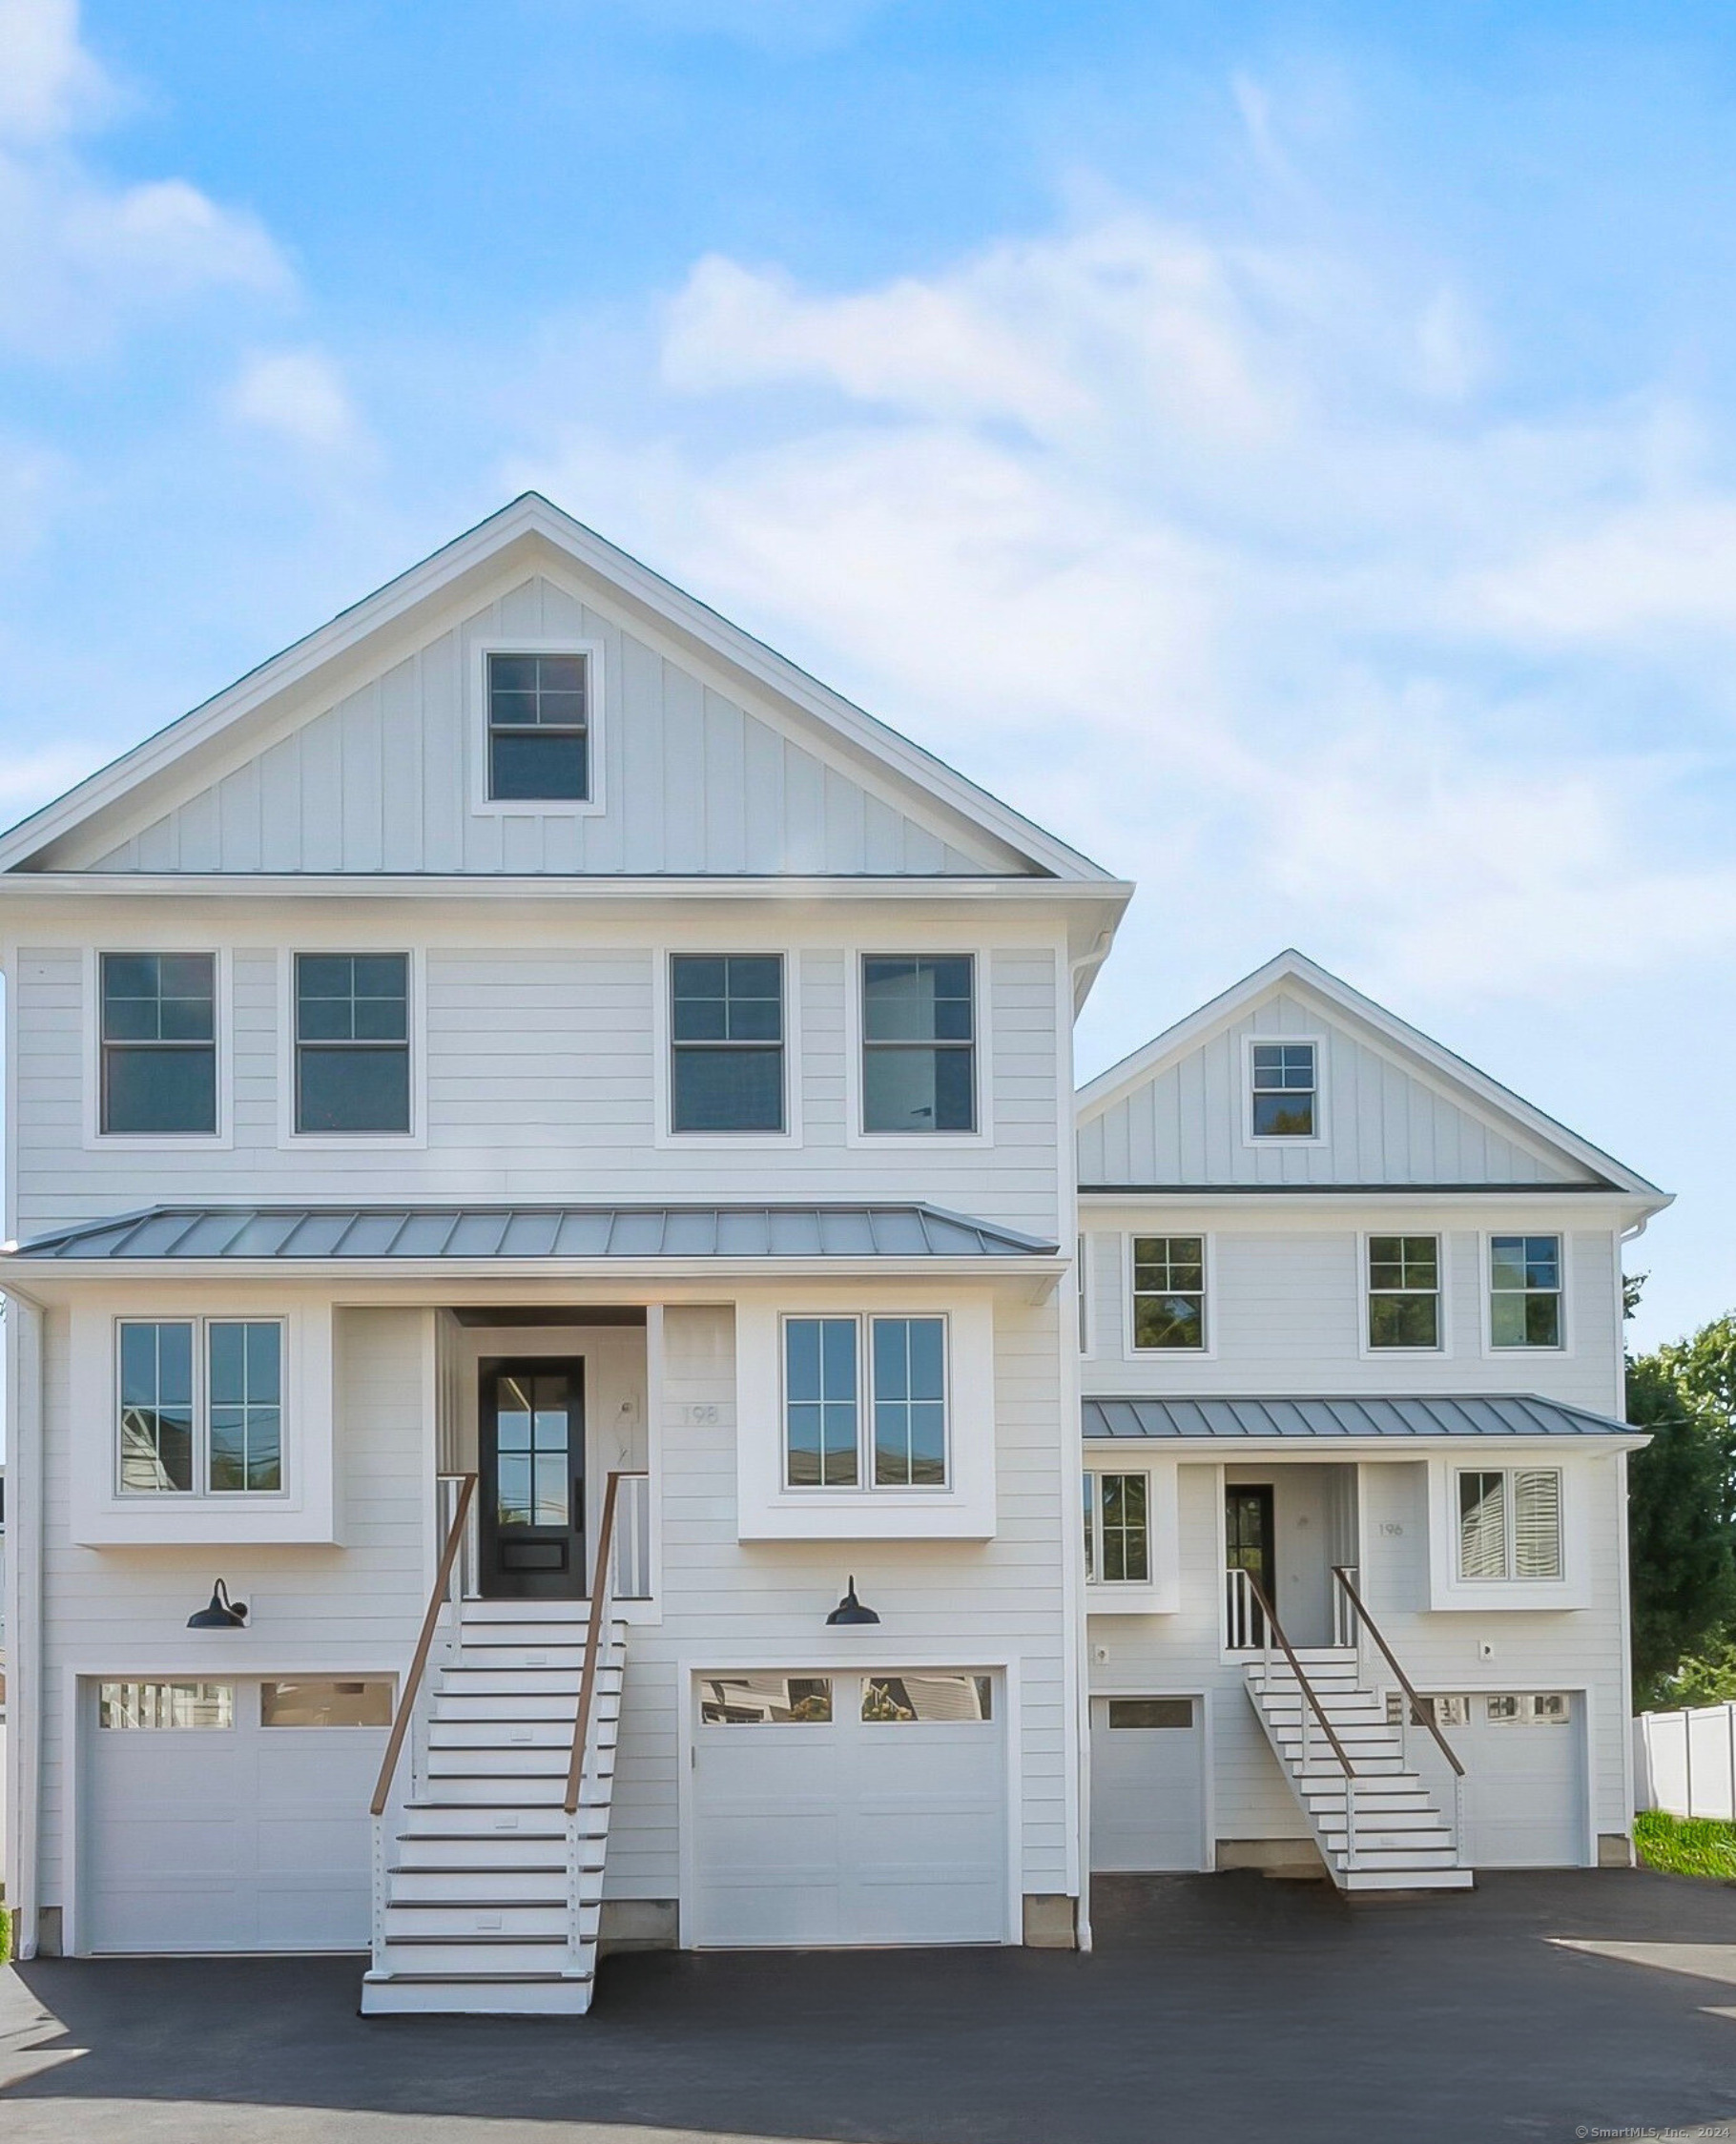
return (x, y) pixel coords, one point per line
(1286, 1309)
(719, 1593)
(1386, 1125)
(539, 1079)
(692, 781)
(356, 1609)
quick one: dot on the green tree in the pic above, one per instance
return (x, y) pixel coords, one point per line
(1682, 1528)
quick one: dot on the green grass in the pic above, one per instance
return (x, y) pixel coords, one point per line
(5, 1935)
(1687, 1845)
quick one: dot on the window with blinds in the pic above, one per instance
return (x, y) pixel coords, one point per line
(1510, 1523)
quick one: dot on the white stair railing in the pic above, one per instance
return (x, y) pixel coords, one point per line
(1412, 1710)
(632, 1576)
(456, 1493)
(598, 1637)
(1243, 1627)
(1308, 1703)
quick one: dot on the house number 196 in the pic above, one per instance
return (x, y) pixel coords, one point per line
(707, 1412)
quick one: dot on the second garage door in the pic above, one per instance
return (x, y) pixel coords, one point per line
(1525, 1784)
(838, 1808)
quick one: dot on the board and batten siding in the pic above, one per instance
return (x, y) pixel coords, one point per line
(538, 1084)
(729, 1603)
(1285, 1310)
(353, 1610)
(1385, 1124)
(692, 781)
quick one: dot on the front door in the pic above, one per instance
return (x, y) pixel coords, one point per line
(531, 1435)
(1249, 1541)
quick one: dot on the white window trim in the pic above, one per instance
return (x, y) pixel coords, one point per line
(96, 1138)
(1132, 1353)
(769, 1510)
(1130, 1469)
(303, 1511)
(1443, 1346)
(1084, 1307)
(1447, 1590)
(417, 1029)
(485, 806)
(1486, 1291)
(663, 1072)
(917, 1142)
(1319, 1136)
(201, 1491)
(1162, 1594)
(864, 1485)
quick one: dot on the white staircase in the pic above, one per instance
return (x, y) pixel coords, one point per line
(488, 1892)
(1396, 1837)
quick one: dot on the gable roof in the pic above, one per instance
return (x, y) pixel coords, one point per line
(1419, 1052)
(528, 530)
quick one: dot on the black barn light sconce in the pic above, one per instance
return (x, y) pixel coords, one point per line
(850, 1609)
(222, 1613)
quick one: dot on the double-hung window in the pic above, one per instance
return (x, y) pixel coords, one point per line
(539, 727)
(918, 1044)
(352, 1043)
(158, 1046)
(727, 1042)
(200, 1406)
(1510, 1523)
(1404, 1291)
(1285, 1101)
(865, 1402)
(1525, 1291)
(1168, 1291)
(1118, 1529)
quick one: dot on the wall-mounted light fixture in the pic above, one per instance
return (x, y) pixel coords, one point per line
(850, 1609)
(222, 1613)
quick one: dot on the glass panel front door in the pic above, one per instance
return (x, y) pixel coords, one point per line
(1248, 1540)
(531, 1421)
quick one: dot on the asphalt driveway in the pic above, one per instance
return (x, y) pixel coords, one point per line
(1214, 2008)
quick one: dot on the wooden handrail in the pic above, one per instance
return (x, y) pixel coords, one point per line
(1418, 1711)
(1307, 1688)
(406, 1698)
(602, 1592)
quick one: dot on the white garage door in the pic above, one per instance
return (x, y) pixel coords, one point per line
(228, 1815)
(848, 1808)
(1524, 1758)
(1148, 1783)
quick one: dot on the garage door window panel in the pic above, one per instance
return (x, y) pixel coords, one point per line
(911, 1697)
(765, 1701)
(1144, 1715)
(326, 1703)
(165, 1706)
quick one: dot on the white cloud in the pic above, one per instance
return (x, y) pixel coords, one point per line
(1211, 551)
(47, 81)
(82, 258)
(299, 395)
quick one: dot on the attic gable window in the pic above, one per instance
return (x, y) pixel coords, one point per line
(1286, 1091)
(539, 727)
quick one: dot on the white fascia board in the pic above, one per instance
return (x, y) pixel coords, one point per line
(1323, 1452)
(529, 519)
(380, 885)
(1580, 1205)
(639, 1278)
(1456, 1076)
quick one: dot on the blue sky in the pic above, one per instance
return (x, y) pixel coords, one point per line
(1287, 449)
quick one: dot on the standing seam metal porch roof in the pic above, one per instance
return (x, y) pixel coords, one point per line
(536, 1231)
(1224, 1421)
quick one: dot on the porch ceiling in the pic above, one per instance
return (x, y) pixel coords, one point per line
(1230, 1421)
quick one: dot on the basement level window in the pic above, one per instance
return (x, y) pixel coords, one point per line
(539, 727)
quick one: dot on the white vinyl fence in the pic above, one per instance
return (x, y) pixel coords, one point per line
(1686, 1762)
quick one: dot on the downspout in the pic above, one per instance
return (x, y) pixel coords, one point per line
(24, 1637)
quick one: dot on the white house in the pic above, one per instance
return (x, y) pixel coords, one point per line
(1351, 1327)
(540, 1155)
(531, 1033)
